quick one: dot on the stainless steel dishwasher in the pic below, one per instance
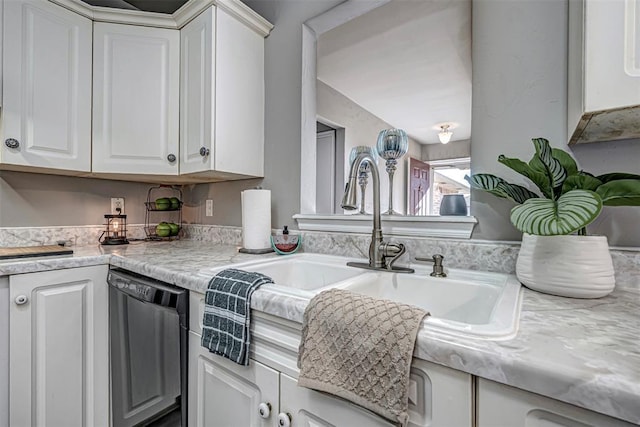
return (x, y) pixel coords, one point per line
(149, 329)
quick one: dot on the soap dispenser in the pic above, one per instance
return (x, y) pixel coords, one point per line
(285, 243)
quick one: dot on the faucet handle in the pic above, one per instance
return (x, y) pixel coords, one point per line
(393, 251)
(438, 268)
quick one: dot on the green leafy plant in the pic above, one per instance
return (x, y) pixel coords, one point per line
(568, 200)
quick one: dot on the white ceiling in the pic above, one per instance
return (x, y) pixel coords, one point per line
(407, 62)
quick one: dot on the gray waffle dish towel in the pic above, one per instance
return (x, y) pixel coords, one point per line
(227, 310)
(360, 348)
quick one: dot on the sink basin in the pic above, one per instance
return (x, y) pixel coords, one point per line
(302, 275)
(465, 303)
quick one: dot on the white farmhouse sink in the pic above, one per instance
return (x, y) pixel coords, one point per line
(468, 303)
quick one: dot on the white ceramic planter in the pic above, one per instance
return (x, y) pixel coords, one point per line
(568, 266)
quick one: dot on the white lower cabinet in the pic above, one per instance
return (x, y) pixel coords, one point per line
(438, 396)
(500, 405)
(308, 408)
(59, 348)
(224, 394)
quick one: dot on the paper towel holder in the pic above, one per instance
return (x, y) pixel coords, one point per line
(261, 248)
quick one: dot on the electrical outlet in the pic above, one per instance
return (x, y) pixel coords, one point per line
(209, 208)
(117, 202)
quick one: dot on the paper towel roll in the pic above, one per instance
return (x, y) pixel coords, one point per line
(256, 219)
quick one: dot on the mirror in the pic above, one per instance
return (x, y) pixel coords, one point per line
(403, 64)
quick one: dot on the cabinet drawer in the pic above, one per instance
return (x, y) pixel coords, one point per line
(439, 396)
(500, 405)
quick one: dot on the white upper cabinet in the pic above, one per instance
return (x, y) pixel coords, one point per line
(222, 96)
(197, 93)
(126, 99)
(46, 104)
(604, 70)
(135, 99)
(611, 54)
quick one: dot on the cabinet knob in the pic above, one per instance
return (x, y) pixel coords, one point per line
(21, 299)
(171, 158)
(204, 151)
(264, 409)
(12, 143)
(284, 419)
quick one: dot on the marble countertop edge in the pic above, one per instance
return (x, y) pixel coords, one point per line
(583, 352)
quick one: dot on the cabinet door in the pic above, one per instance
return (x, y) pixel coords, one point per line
(224, 394)
(239, 112)
(59, 349)
(46, 104)
(310, 408)
(222, 96)
(611, 54)
(135, 99)
(503, 406)
(197, 93)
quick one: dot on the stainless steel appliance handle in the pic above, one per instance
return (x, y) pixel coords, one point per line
(152, 292)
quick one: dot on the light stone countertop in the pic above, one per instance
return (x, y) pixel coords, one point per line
(584, 352)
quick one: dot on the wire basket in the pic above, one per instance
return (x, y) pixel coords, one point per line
(163, 219)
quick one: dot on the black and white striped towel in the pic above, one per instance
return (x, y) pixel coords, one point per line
(227, 308)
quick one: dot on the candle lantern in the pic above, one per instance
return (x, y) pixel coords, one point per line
(115, 232)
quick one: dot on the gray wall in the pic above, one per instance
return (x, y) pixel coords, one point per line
(520, 92)
(29, 199)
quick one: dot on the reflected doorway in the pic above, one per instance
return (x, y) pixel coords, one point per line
(418, 187)
(329, 168)
(430, 180)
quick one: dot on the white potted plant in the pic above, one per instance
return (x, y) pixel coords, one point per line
(557, 256)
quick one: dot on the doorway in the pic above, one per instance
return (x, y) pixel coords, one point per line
(329, 168)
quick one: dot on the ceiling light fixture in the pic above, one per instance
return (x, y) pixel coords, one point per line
(445, 134)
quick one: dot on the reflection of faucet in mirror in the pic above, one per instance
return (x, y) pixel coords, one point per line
(363, 172)
(382, 255)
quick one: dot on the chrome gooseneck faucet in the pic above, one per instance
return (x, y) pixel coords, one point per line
(382, 255)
